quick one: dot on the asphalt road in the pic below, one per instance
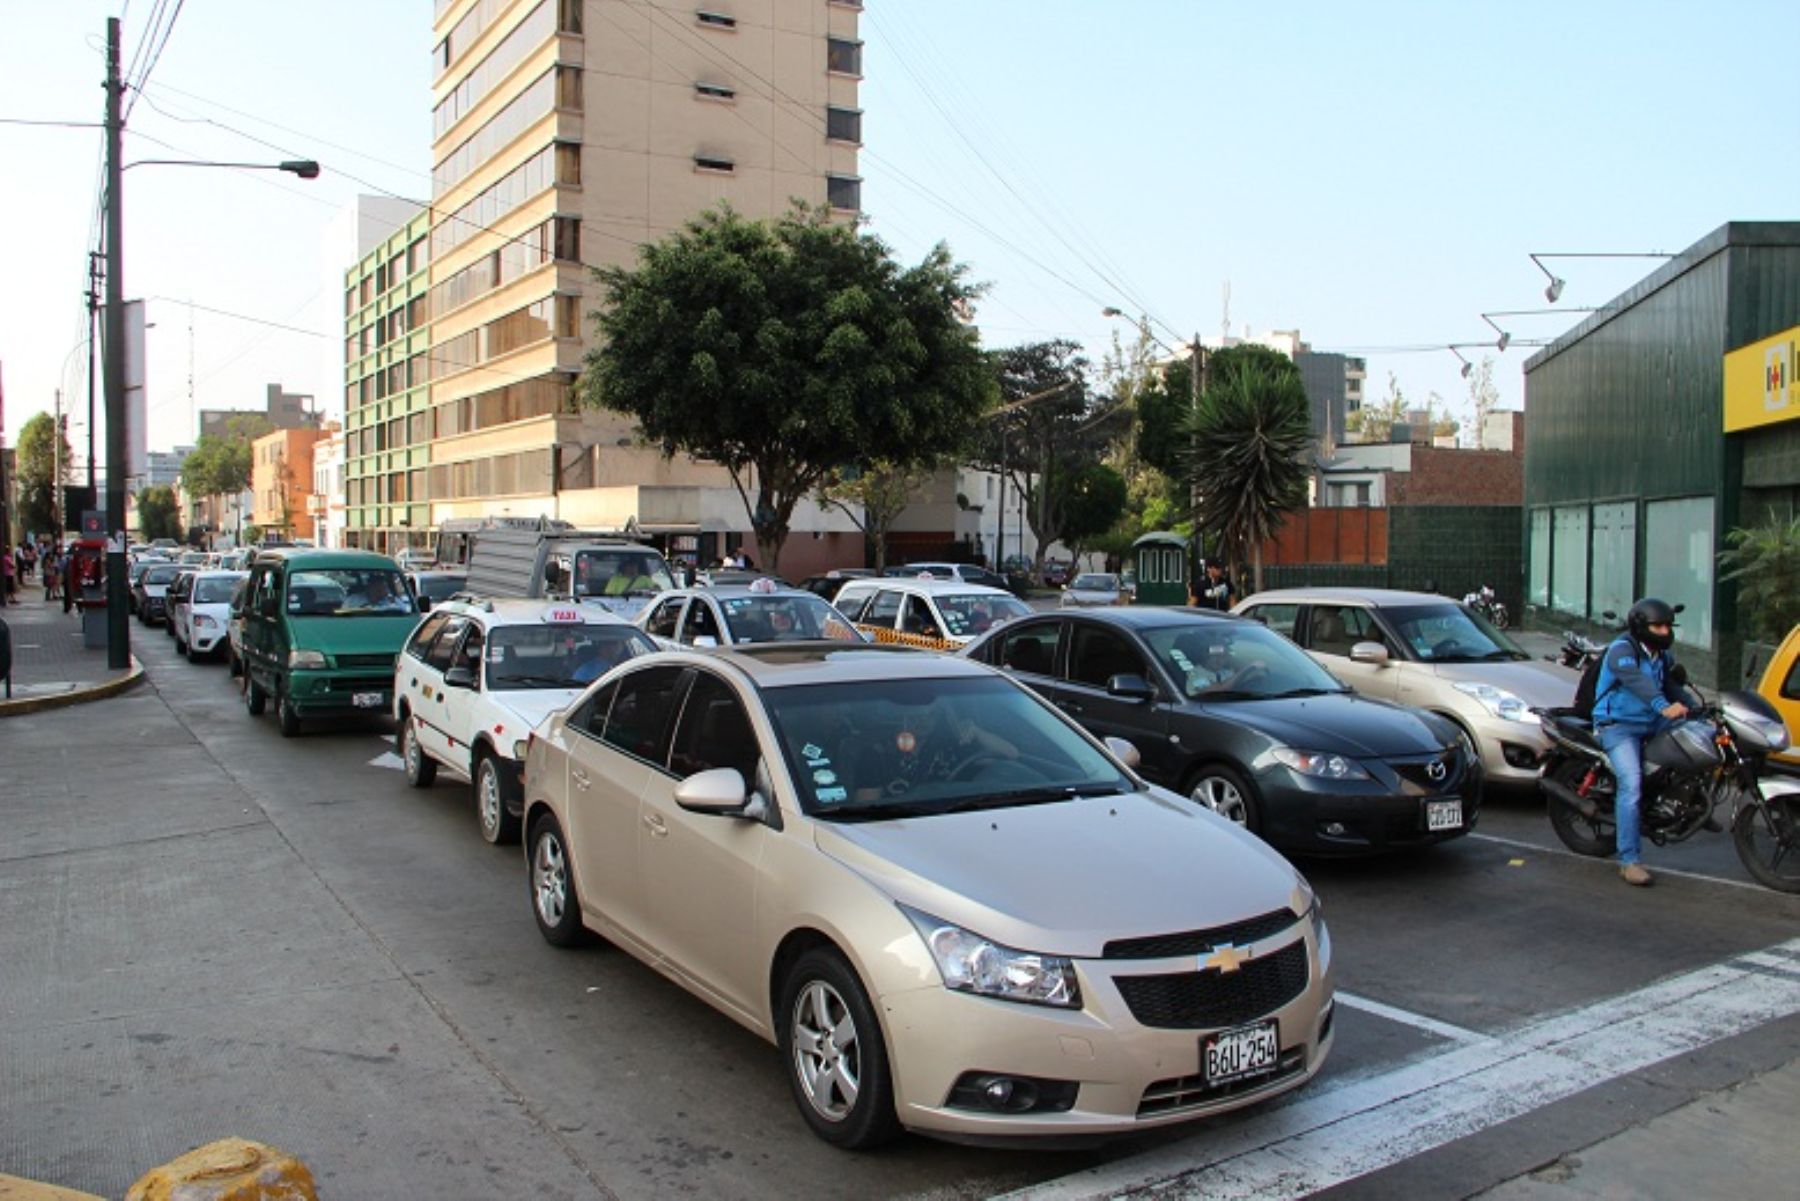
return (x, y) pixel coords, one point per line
(207, 930)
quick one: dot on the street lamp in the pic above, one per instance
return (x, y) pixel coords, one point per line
(1466, 365)
(1555, 290)
(305, 168)
(1505, 339)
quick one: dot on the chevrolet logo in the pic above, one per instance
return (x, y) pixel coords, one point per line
(1225, 959)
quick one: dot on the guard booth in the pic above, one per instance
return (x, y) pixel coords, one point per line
(1161, 562)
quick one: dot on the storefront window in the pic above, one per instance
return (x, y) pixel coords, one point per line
(1615, 558)
(1568, 560)
(1539, 582)
(1678, 562)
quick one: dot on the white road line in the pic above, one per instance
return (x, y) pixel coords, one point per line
(1341, 1131)
(1456, 1034)
(1655, 869)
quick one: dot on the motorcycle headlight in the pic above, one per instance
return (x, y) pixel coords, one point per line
(970, 963)
(306, 660)
(1320, 765)
(1498, 701)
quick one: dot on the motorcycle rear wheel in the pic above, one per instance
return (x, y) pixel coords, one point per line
(1595, 839)
(1772, 857)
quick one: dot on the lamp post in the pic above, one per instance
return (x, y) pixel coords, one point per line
(1554, 290)
(118, 631)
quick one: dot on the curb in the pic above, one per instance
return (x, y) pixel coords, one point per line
(80, 696)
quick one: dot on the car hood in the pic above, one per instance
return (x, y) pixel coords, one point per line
(533, 705)
(370, 634)
(1337, 723)
(1533, 681)
(1149, 863)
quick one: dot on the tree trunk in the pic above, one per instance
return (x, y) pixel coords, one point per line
(1256, 561)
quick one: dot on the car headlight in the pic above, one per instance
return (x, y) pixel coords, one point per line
(305, 660)
(203, 622)
(970, 963)
(1498, 701)
(1320, 765)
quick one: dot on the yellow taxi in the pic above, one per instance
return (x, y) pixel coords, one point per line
(1781, 687)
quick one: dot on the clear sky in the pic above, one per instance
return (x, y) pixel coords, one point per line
(1372, 174)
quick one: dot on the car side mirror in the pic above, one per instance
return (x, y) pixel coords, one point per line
(719, 791)
(1372, 653)
(704, 641)
(459, 677)
(424, 603)
(1125, 752)
(271, 606)
(1130, 687)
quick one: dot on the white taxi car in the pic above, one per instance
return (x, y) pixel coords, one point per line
(939, 615)
(202, 622)
(476, 676)
(761, 611)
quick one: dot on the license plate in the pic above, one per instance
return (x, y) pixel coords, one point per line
(368, 700)
(1235, 1054)
(1443, 815)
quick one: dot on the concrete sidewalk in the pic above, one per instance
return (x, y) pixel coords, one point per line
(51, 666)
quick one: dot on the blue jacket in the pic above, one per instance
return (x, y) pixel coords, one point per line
(1633, 688)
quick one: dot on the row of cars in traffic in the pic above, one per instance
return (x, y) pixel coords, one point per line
(977, 870)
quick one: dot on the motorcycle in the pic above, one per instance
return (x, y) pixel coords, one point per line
(1712, 759)
(1577, 650)
(1487, 603)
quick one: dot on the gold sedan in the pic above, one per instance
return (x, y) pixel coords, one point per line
(953, 910)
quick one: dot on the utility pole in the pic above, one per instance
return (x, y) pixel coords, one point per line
(93, 307)
(56, 463)
(118, 632)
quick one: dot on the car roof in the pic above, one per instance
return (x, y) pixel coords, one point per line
(928, 587)
(727, 591)
(1144, 617)
(1357, 596)
(792, 664)
(308, 556)
(214, 573)
(519, 611)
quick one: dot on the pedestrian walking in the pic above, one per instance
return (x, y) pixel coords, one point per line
(9, 568)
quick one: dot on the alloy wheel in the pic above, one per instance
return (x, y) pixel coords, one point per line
(1222, 797)
(550, 879)
(827, 1056)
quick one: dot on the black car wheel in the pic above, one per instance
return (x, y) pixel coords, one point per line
(254, 696)
(287, 718)
(1226, 793)
(421, 769)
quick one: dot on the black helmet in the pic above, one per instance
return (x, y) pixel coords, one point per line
(1651, 612)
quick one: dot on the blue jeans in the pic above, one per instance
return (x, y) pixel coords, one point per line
(1625, 751)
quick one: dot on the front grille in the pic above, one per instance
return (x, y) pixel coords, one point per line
(346, 685)
(1213, 1000)
(1417, 772)
(386, 661)
(1199, 942)
(1181, 1092)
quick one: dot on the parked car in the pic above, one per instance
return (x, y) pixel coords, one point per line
(951, 909)
(967, 573)
(827, 585)
(934, 614)
(134, 573)
(1056, 574)
(432, 588)
(202, 619)
(705, 617)
(1419, 649)
(475, 678)
(1092, 588)
(1240, 720)
(1780, 686)
(321, 631)
(732, 577)
(416, 558)
(174, 598)
(150, 591)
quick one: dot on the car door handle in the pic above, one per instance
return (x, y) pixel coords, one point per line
(581, 779)
(1068, 706)
(657, 826)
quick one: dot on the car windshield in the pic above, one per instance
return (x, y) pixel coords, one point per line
(621, 573)
(792, 617)
(347, 592)
(215, 590)
(437, 588)
(1229, 661)
(558, 656)
(905, 748)
(1096, 581)
(1450, 633)
(967, 616)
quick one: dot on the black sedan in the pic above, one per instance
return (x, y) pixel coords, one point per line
(1241, 720)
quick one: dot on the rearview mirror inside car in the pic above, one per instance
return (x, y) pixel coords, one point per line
(720, 790)
(1130, 687)
(1372, 653)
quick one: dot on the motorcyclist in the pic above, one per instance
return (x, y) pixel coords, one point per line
(1634, 698)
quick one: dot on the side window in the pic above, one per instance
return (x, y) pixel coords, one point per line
(557, 569)
(1334, 629)
(639, 721)
(714, 731)
(268, 583)
(590, 717)
(1790, 688)
(1280, 618)
(469, 654)
(662, 620)
(920, 619)
(883, 609)
(1096, 655)
(1032, 648)
(421, 639)
(438, 657)
(701, 623)
(852, 601)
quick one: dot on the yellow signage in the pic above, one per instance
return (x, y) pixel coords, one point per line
(1762, 382)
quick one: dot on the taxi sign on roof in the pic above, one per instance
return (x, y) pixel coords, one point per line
(564, 615)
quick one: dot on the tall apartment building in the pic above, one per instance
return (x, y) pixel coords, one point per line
(565, 135)
(387, 391)
(283, 410)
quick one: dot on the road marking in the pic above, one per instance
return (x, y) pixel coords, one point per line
(1356, 1126)
(1660, 871)
(1456, 1034)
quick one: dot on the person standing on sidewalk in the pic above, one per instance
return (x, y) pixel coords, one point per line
(1635, 697)
(9, 568)
(50, 573)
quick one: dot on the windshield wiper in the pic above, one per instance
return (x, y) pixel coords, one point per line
(1503, 653)
(1027, 796)
(540, 681)
(1228, 694)
(1293, 692)
(871, 811)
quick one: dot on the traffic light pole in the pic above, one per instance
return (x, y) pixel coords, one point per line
(118, 630)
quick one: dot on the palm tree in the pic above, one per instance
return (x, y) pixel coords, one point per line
(1248, 438)
(1764, 562)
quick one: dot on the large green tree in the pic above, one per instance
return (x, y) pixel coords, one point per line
(221, 464)
(1093, 501)
(787, 350)
(1248, 446)
(158, 514)
(39, 476)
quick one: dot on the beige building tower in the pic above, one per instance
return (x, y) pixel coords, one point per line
(566, 133)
